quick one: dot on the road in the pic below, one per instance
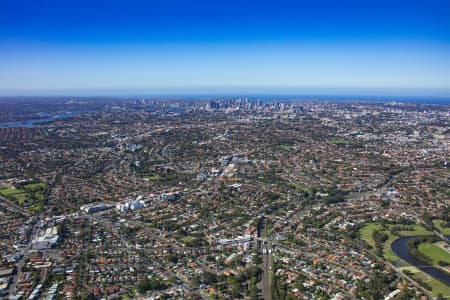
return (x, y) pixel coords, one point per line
(15, 207)
(24, 253)
(263, 250)
(266, 292)
(412, 281)
(398, 271)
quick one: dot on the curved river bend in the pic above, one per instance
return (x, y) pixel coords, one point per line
(400, 247)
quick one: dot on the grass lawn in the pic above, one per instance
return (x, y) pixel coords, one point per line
(418, 230)
(37, 208)
(286, 147)
(367, 231)
(33, 187)
(443, 230)
(340, 142)
(154, 178)
(187, 239)
(411, 269)
(387, 249)
(434, 252)
(436, 286)
(33, 195)
(20, 198)
(8, 192)
(39, 196)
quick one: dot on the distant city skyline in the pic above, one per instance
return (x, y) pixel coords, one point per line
(398, 48)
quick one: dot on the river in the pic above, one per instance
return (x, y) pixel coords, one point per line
(30, 123)
(400, 247)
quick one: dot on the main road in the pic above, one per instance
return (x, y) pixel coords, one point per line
(267, 294)
(264, 250)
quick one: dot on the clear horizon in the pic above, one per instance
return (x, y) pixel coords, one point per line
(202, 47)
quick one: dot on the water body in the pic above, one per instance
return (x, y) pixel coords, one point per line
(31, 123)
(431, 100)
(400, 247)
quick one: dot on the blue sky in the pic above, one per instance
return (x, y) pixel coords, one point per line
(304, 47)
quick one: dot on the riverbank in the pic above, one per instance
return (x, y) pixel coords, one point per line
(43, 120)
(429, 282)
(438, 225)
(435, 252)
(366, 234)
(431, 277)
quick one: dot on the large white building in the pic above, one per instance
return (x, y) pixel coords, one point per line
(47, 240)
(95, 207)
(130, 205)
